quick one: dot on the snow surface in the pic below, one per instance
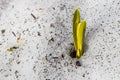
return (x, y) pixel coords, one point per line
(45, 31)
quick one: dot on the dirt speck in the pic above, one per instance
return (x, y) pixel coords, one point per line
(62, 56)
(73, 54)
(83, 75)
(3, 31)
(16, 73)
(39, 34)
(33, 16)
(52, 25)
(52, 39)
(78, 63)
(14, 34)
(18, 62)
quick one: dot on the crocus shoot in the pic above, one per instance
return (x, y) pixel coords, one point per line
(79, 28)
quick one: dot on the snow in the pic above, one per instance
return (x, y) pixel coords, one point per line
(45, 31)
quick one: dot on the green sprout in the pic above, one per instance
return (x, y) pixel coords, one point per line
(79, 28)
